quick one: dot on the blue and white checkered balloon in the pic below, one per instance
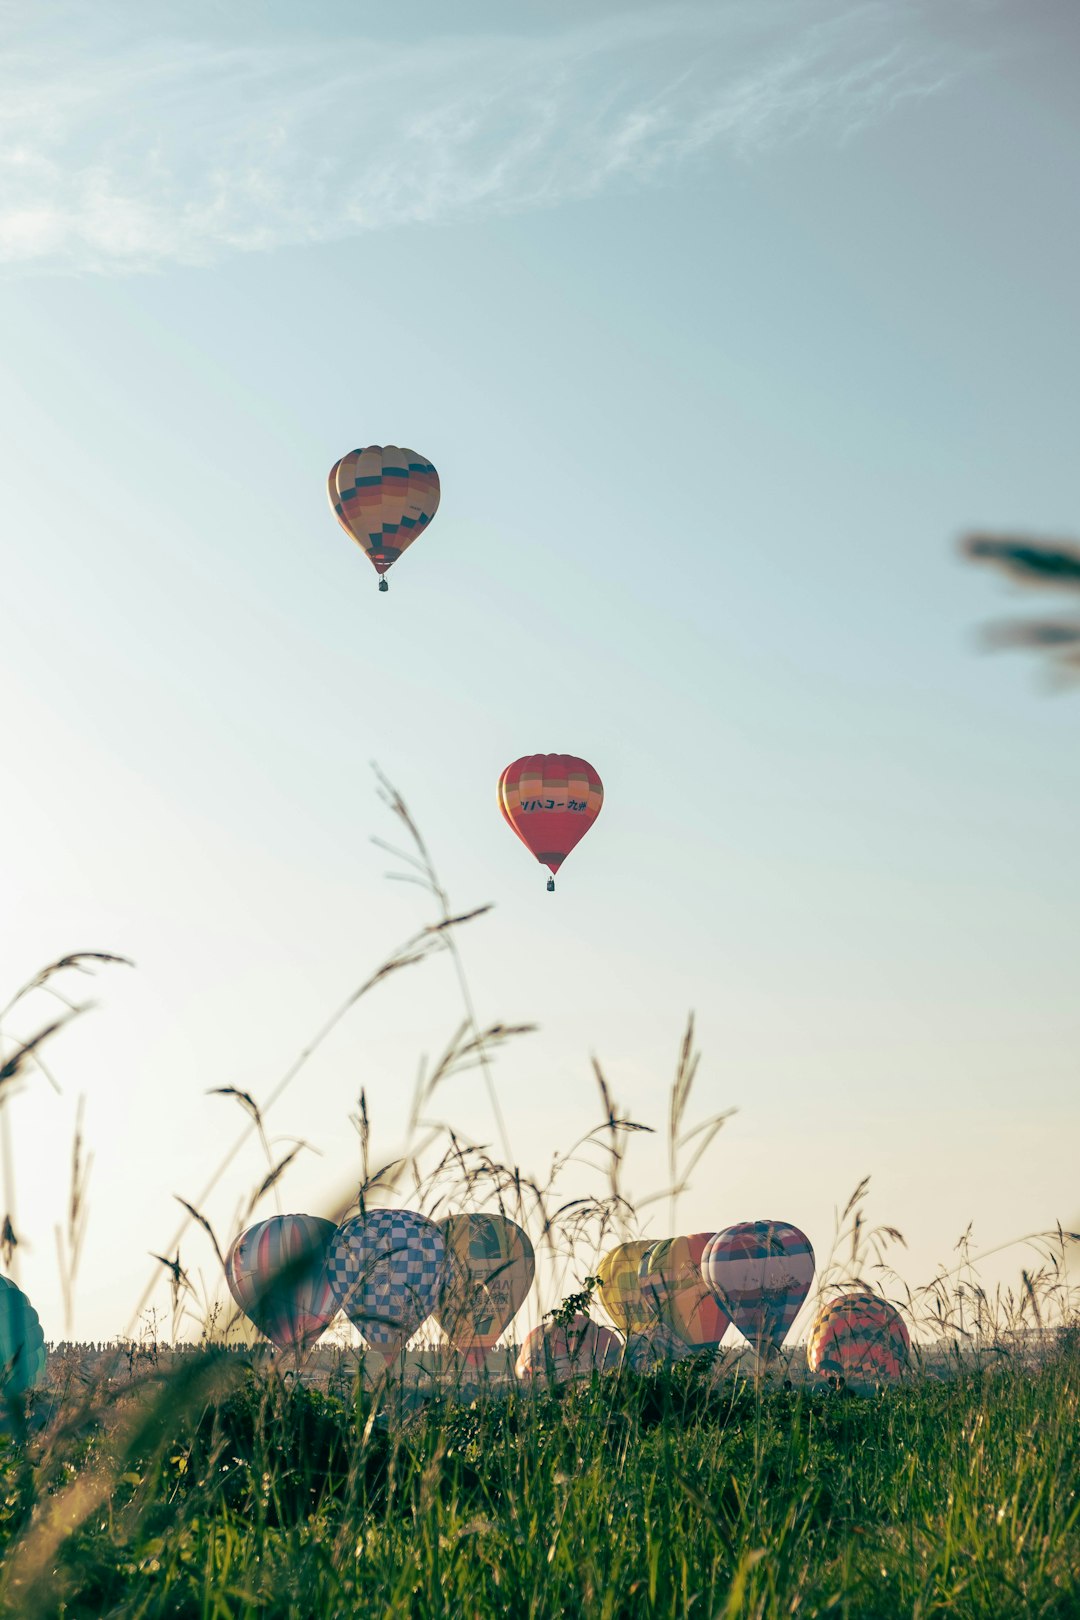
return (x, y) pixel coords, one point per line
(387, 1267)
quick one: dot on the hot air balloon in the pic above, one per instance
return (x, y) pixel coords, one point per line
(22, 1343)
(631, 1310)
(276, 1272)
(670, 1275)
(551, 801)
(557, 1353)
(383, 498)
(490, 1268)
(860, 1338)
(760, 1272)
(386, 1268)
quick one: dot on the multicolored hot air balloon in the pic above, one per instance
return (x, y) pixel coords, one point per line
(386, 1268)
(490, 1269)
(760, 1272)
(551, 801)
(670, 1275)
(276, 1272)
(22, 1343)
(383, 498)
(620, 1291)
(557, 1353)
(860, 1338)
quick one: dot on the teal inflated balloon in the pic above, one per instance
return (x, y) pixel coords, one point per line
(22, 1343)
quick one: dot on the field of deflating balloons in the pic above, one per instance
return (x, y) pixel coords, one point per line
(391, 1271)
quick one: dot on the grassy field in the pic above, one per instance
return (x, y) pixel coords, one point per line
(220, 1490)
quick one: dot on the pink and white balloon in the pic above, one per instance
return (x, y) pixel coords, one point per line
(556, 1353)
(760, 1272)
(276, 1272)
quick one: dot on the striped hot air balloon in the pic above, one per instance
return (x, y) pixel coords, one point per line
(383, 497)
(386, 1268)
(860, 1338)
(670, 1275)
(276, 1272)
(760, 1272)
(490, 1268)
(22, 1343)
(551, 801)
(557, 1353)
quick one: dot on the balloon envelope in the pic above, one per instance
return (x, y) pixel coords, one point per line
(670, 1275)
(386, 1268)
(860, 1338)
(760, 1272)
(490, 1268)
(621, 1295)
(383, 497)
(22, 1343)
(558, 1353)
(551, 801)
(276, 1272)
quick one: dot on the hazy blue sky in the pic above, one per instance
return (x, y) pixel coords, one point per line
(720, 323)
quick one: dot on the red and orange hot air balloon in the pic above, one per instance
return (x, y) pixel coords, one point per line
(860, 1340)
(551, 801)
(383, 497)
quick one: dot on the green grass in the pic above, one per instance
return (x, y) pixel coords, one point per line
(677, 1494)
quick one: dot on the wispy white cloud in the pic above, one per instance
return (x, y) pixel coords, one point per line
(162, 151)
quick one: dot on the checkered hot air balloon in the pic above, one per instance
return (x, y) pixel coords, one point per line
(621, 1294)
(276, 1272)
(760, 1272)
(551, 801)
(860, 1338)
(386, 1268)
(383, 498)
(22, 1343)
(556, 1354)
(670, 1275)
(490, 1268)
